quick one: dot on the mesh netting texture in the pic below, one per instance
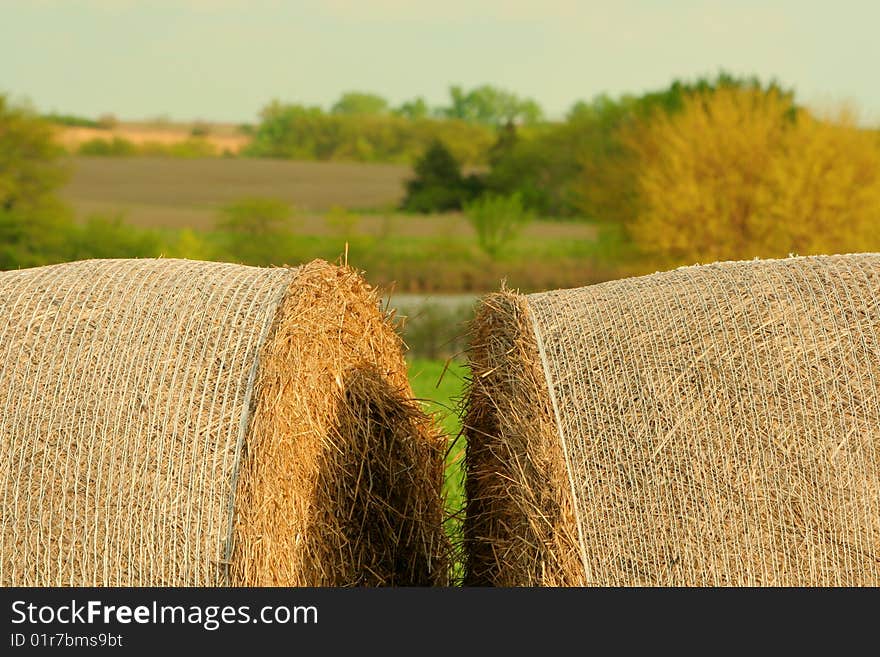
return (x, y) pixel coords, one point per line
(171, 422)
(711, 425)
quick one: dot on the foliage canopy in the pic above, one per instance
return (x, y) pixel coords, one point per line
(439, 184)
(741, 173)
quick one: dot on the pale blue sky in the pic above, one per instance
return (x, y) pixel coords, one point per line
(225, 59)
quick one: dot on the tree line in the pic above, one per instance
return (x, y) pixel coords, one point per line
(719, 168)
(364, 127)
(359, 126)
(723, 167)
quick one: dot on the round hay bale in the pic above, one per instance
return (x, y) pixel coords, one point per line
(174, 423)
(712, 425)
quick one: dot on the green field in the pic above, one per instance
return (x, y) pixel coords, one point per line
(440, 387)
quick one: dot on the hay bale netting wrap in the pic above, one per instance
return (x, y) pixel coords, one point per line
(712, 425)
(170, 422)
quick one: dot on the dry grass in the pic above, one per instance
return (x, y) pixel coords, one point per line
(519, 528)
(718, 425)
(223, 138)
(342, 480)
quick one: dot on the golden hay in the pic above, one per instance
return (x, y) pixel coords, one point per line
(712, 425)
(170, 422)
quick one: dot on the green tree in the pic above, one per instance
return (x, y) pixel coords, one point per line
(30, 170)
(34, 224)
(439, 184)
(504, 144)
(34, 236)
(115, 147)
(497, 221)
(607, 187)
(417, 108)
(542, 166)
(359, 102)
(289, 131)
(308, 133)
(491, 105)
(585, 165)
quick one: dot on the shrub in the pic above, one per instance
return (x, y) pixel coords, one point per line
(256, 230)
(116, 147)
(34, 236)
(497, 220)
(71, 120)
(108, 236)
(190, 245)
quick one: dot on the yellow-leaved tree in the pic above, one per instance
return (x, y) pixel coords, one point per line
(741, 173)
